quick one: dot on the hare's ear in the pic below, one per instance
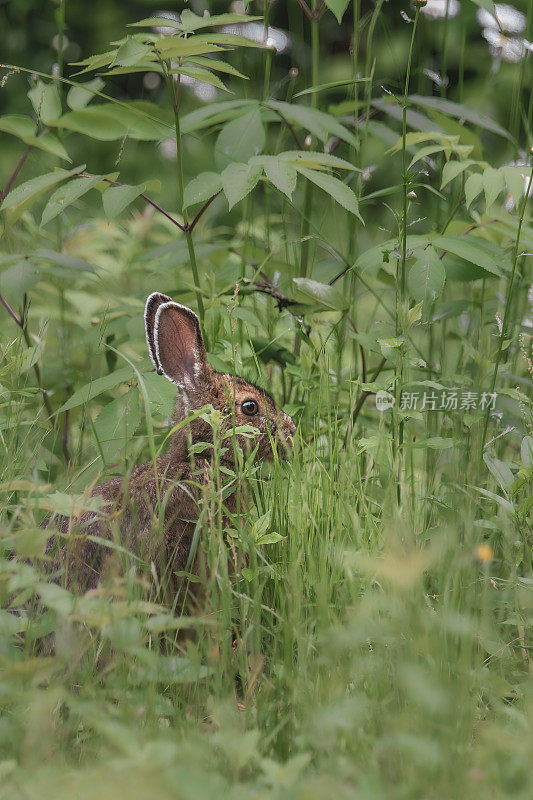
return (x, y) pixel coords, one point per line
(153, 302)
(180, 350)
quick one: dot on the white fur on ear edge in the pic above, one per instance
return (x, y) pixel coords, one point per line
(150, 332)
(187, 385)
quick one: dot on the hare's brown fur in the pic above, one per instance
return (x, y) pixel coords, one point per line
(178, 482)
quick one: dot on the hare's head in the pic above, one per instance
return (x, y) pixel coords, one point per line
(177, 350)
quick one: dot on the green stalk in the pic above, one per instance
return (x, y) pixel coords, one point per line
(306, 224)
(268, 57)
(174, 96)
(505, 322)
(401, 278)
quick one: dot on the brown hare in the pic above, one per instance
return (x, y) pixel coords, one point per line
(156, 511)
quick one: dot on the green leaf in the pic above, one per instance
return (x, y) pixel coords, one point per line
(217, 66)
(177, 47)
(338, 7)
(312, 159)
(45, 100)
(269, 538)
(280, 173)
(475, 250)
(324, 87)
(452, 169)
(335, 188)
(82, 94)
(373, 259)
(427, 277)
(526, 451)
(16, 280)
(201, 188)
(319, 123)
(130, 53)
(116, 423)
(499, 470)
(473, 187)
(514, 178)
(63, 260)
(117, 198)
(109, 121)
(66, 195)
(493, 184)
(238, 180)
(18, 125)
(24, 195)
(429, 150)
(214, 114)
(95, 388)
(192, 22)
(322, 293)
(201, 74)
(24, 129)
(461, 112)
(240, 139)
(95, 62)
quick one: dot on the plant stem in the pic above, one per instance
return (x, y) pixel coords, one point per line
(505, 322)
(401, 283)
(174, 96)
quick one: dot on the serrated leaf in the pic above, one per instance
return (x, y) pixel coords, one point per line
(429, 150)
(452, 169)
(80, 95)
(194, 22)
(240, 139)
(475, 250)
(117, 198)
(29, 191)
(95, 388)
(336, 189)
(317, 122)
(514, 178)
(493, 184)
(269, 538)
(130, 53)
(427, 277)
(473, 187)
(238, 180)
(66, 195)
(201, 188)
(281, 174)
(322, 293)
(201, 74)
(312, 159)
(461, 112)
(217, 66)
(45, 100)
(109, 121)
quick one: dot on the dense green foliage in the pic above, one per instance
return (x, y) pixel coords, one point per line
(347, 217)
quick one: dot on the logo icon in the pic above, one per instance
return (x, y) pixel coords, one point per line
(384, 400)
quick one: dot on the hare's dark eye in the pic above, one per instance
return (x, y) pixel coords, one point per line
(249, 407)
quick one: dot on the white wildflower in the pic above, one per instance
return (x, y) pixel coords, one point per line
(440, 9)
(507, 19)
